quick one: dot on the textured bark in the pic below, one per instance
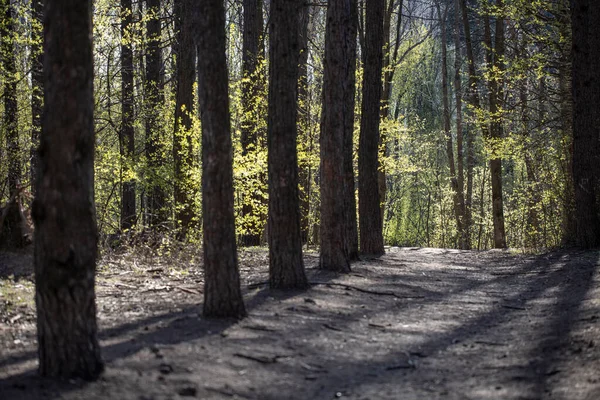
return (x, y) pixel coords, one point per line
(37, 86)
(337, 117)
(286, 268)
(11, 232)
(157, 214)
(371, 230)
(586, 120)
(252, 86)
(126, 134)
(222, 293)
(64, 211)
(183, 150)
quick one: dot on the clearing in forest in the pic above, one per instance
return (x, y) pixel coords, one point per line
(416, 323)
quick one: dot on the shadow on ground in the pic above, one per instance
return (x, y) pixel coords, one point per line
(415, 324)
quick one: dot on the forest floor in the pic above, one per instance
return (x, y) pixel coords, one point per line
(417, 323)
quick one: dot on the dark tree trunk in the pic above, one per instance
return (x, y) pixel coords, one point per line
(586, 116)
(64, 211)
(497, 131)
(11, 230)
(304, 121)
(494, 58)
(371, 230)
(222, 293)
(569, 225)
(464, 240)
(473, 98)
(156, 196)
(37, 87)
(286, 268)
(126, 135)
(337, 117)
(252, 86)
(183, 150)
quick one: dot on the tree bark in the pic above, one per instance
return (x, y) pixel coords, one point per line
(371, 230)
(126, 134)
(157, 214)
(586, 117)
(222, 293)
(337, 117)
(183, 149)
(64, 211)
(286, 267)
(252, 112)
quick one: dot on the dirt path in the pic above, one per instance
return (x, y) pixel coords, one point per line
(415, 324)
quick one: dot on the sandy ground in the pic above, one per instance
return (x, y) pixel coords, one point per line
(416, 323)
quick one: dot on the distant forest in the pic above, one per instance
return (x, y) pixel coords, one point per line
(440, 123)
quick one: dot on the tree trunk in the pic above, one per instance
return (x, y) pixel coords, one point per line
(183, 149)
(286, 267)
(64, 211)
(494, 58)
(304, 131)
(156, 197)
(464, 240)
(337, 116)
(371, 231)
(222, 293)
(473, 98)
(12, 234)
(37, 88)
(126, 134)
(447, 132)
(569, 225)
(586, 114)
(252, 113)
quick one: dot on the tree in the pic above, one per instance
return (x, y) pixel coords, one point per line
(11, 228)
(286, 267)
(183, 149)
(126, 133)
(37, 92)
(64, 211)
(371, 230)
(495, 59)
(464, 237)
(153, 91)
(251, 125)
(304, 131)
(222, 293)
(337, 121)
(586, 114)
(455, 182)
